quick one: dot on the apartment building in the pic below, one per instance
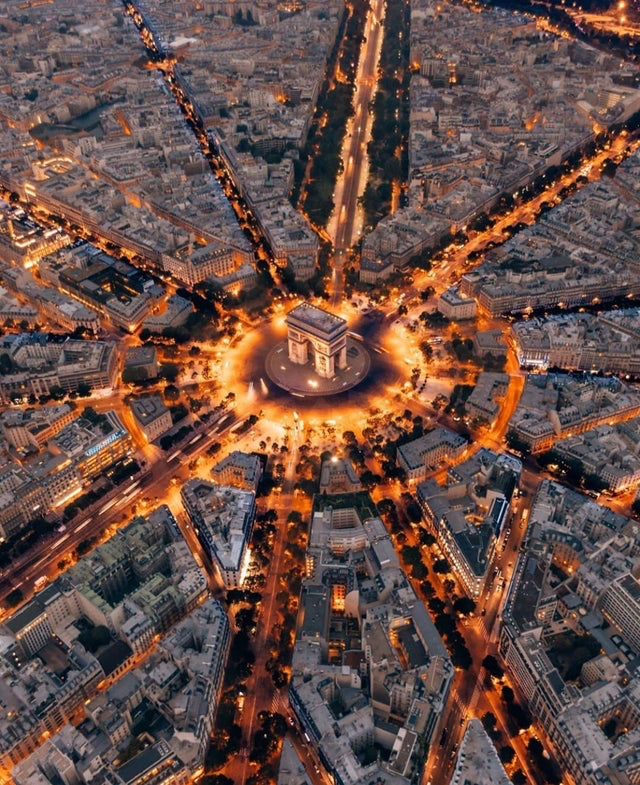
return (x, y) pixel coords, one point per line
(41, 364)
(222, 517)
(240, 469)
(422, 455)
(152, 415)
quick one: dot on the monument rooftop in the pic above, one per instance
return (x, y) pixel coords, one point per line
(316, 319)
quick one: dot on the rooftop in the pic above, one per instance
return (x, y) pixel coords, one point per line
(148, 408)
(478, 762)
(316, 318)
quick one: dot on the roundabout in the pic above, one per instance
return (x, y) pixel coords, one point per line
(362, 372)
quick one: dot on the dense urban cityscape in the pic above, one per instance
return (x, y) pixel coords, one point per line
(320, 392)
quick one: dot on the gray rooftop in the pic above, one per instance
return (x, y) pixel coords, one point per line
(148, 408)
(316, 318)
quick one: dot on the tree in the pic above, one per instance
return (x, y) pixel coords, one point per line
(426, 587)
(171, 392)
(410, 554)
(84, 546)
(535, 748)
(215, 779)
(94, 637)
(413, 512)
(461, 656)
(507, 694)
(464, 605)
(521, 715)
(436, 605)
(369, 480)
(245, 620)
(519, 777)
(547, 767)
(14, 598)
(493, 666)
(279, 678)
(386, 506)
(419, 571)
(489, 721)
(426, 538)
(441, 566)
(445, 623)
(57, 392)
(506, 754)
(70, 511)
(449, 586)
(84, 390)
(169, 371)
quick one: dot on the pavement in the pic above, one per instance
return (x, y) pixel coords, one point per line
(301, 380)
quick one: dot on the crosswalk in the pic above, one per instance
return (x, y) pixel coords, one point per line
(279, 704)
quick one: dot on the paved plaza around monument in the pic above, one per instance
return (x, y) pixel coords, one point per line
(302, 379)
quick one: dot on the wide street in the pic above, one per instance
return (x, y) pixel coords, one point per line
(102, 519)
(351, 182)
(261, 694)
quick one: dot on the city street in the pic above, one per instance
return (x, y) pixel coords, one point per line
(346, 217)
(261, 694)
(106, 516)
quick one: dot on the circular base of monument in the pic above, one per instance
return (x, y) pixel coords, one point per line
(302, 380)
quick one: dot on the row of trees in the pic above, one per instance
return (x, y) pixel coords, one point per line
(244, 605)
(520, 718)
(333, 110)
(444, 613)
(507, 201)
(25, 539)
(387, 150)
(505, 751)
